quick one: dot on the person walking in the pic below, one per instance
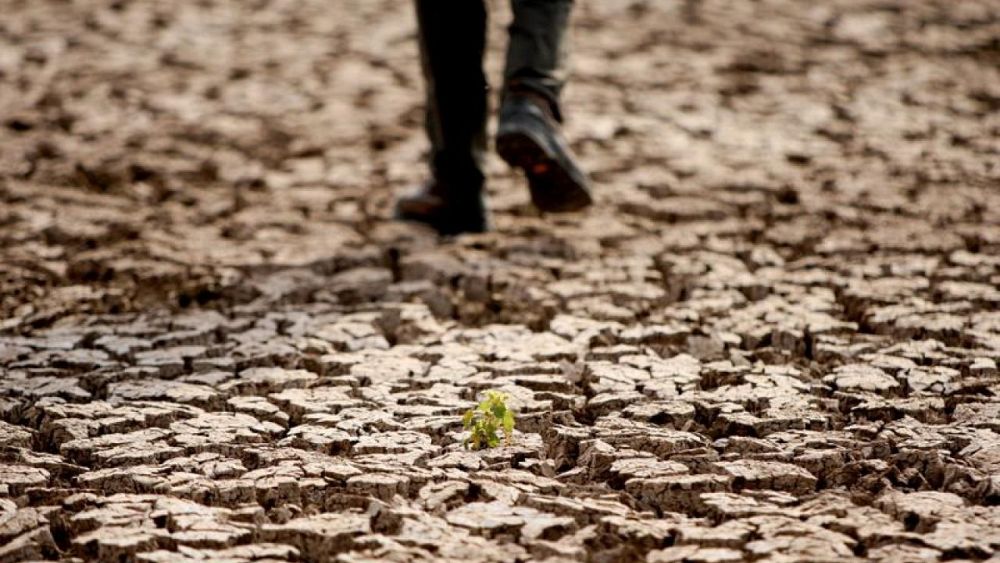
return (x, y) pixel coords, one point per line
(452, 36)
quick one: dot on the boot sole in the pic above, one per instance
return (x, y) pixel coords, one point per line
(555, 187)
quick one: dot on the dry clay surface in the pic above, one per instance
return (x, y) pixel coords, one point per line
(774, 338)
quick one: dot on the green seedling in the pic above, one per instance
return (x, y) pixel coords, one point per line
(486, 419)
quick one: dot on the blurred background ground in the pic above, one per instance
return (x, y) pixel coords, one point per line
(157, 154)
(781, 185)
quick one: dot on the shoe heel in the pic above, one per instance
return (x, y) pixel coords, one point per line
(518, 150)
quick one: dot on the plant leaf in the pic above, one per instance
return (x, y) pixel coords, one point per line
(486, 419)
(508, 423)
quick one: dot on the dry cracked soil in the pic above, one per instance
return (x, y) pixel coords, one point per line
(774, 338)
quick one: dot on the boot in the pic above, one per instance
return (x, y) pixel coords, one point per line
(447, 210)
(529, 138)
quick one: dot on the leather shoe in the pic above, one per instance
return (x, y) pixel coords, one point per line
(528, 137)
(445, 212)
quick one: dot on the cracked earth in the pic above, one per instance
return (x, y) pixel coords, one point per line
(774, 338)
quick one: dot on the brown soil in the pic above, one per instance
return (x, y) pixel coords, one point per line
(775, 336)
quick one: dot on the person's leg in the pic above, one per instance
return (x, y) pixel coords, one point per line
(452, 41)
(529, 136)
(536, 53)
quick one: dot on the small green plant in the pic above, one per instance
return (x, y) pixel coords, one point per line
(483, 422)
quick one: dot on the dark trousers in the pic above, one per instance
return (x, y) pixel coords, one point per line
(452, 42)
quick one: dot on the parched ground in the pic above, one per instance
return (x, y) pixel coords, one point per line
(775, 337)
